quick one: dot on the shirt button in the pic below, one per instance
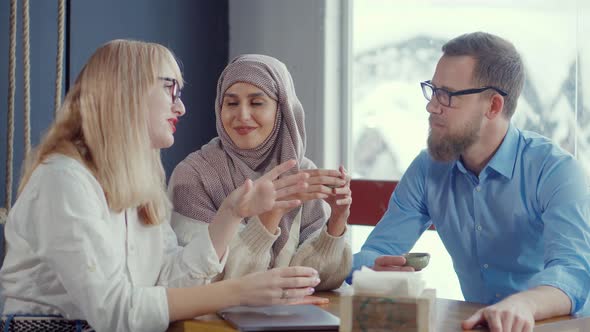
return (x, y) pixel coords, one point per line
(479, 227)
(485, 266)
(498, 295)
(478, 188)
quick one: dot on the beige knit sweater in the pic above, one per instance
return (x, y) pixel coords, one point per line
(250, 250)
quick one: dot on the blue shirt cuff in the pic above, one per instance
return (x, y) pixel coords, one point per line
(574, 282)
(360, 259)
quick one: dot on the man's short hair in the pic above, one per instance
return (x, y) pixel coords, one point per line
(498, 64)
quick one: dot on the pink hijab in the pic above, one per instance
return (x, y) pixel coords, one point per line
(201, 182)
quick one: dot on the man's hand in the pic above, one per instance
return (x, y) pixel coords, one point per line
(519, 312)
(391, 263)
(513, 314)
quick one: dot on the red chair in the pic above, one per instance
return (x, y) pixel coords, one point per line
(370, 199)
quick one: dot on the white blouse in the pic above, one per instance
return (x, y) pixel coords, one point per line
(69, 254)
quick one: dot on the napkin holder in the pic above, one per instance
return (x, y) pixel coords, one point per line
(388, 301)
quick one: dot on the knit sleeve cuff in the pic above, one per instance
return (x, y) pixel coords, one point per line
(328, 245)
(256, 237)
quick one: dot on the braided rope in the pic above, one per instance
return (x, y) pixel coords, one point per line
(11, 93)
(26, 77)
(60, 53)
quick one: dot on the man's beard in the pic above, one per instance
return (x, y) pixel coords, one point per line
(446, 148)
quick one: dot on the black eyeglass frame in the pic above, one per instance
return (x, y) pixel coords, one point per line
(451, 94)
(175, 90)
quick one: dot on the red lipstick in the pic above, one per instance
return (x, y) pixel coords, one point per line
(173, 122)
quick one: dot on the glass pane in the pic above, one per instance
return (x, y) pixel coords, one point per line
(583, 91)
(396, 44)
(439, 273)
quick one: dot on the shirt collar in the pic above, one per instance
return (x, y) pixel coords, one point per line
(505, 157)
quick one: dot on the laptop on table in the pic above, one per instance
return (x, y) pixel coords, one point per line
(280, 318)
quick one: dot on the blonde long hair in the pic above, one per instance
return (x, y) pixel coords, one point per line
(103, 123)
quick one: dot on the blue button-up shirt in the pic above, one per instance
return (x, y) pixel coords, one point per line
(523, 222)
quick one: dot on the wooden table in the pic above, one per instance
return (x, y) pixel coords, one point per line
(449, 314)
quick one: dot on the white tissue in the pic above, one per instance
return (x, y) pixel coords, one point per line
(389, 284)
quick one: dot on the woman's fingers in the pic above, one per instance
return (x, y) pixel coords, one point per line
(344, 201)
(311, 299)
(297, 271)
(328, 177)
(246, 187)
(315, 188)
(299, 282)
(279, 285)
(319, 180)
(344, 172)
(290, 180)
(291, 190)
(279, 169)
(319, 184)
(309, 192)
(342, 191)
(318, 172)
(330, 181)
(295, 294)
(287, 205)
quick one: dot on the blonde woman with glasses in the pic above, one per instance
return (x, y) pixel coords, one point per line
(89, 239)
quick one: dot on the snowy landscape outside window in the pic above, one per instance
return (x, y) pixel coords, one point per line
(396, 45)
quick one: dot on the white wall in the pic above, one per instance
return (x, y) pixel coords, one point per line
(295, 32)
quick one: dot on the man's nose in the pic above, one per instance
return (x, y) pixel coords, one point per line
(433, 106)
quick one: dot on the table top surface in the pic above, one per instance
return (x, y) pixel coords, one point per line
(449, 315)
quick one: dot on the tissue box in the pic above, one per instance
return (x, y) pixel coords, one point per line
(388, 301)
(376, 313)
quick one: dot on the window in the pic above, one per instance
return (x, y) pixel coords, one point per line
(397, 43)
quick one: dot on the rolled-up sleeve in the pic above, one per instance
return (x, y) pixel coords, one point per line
(565, 198)
(404, 221)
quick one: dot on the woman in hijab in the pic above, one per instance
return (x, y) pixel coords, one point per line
(260, 124)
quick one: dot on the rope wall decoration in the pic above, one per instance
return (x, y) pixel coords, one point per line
(61, 18)
(26, 87)
(10, 120)
(26, 78)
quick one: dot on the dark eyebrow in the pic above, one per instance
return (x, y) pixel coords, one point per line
(251, 95)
